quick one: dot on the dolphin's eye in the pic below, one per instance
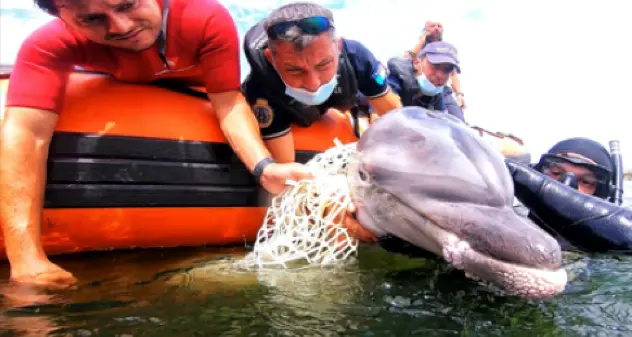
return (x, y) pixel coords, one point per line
(364, 176)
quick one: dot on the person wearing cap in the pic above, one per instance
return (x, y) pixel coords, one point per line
(420, 81)
(138, 41)
(433, 32)
(581, 162)
(300, 69)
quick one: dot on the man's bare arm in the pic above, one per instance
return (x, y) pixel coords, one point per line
(25, 137)
(385, 103)
(282, 148)
(456, 87)
(418, 47)
(239, 126)
(241, 129)
(456, 82)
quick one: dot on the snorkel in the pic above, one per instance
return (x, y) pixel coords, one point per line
(616, 193)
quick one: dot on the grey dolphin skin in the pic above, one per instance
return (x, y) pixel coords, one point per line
(428, 179)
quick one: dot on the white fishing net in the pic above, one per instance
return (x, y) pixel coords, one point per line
(303, 225)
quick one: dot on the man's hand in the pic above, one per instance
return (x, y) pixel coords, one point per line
(385, 103)
(275, 175)
(423, 37)
(355, 228)
(43, 273)
(460, 98)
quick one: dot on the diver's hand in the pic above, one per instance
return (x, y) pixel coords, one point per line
(274, 176)
(42, 273)
(355, 228)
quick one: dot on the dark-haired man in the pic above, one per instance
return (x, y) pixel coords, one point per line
(193, 41)
(300, 69)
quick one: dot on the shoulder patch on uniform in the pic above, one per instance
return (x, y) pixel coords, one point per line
(263, 112)
(379, 75)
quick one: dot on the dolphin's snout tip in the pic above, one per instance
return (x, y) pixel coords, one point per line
(547, 254)
(506, 236)
(539, 249)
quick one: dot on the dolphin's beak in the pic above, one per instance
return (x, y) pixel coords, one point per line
(502, 234)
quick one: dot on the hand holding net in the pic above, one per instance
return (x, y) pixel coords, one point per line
(304, 224)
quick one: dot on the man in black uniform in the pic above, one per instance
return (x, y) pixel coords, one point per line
(433, 32)
(300, 69)
(420, 81)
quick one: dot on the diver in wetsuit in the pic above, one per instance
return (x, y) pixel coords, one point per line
(574, 192)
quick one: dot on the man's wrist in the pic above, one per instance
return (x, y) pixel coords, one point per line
(261, 165)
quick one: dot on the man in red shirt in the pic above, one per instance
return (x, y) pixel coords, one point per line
(193, 41)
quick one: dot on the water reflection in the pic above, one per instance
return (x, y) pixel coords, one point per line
(186, 292)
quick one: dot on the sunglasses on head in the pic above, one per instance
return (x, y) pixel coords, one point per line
(312, 25)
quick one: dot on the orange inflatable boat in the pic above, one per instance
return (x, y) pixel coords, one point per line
(138, 166)
(144, 166)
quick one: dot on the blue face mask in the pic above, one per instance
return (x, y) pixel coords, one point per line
(427, 87)
(313, 98)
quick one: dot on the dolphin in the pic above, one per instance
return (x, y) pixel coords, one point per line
(426, 178)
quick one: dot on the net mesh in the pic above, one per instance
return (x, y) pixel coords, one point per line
(303, 225)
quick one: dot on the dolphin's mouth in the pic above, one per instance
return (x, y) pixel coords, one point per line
(517, 279)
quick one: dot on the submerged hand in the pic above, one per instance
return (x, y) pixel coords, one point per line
(275, 175)
(355, 228)
(43, 273)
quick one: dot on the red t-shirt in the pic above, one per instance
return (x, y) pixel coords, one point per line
(202, 49)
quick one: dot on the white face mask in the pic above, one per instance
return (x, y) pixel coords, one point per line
(427, 87)
(311, 98)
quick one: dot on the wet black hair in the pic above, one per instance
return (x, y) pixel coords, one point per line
(48, 6)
